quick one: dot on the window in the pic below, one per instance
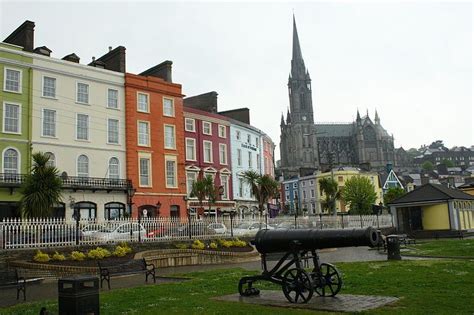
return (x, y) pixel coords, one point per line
(190, 125)
(249, 139)
(82, 125)
(144, 171)
(49, 87)
(82, 93)
(191, 177)
(287, 196)
(83, 166)
(49, 123)
(223, 153)
(171, 180)
(112, 98)
(241, 187)
(142, 102)
(340, 178)
(239, 157)
(207, 151)
(225, 185)
(190, 149)
(12, 81)
(304, 194)
(113, 131)
(143, 133)
(295, 194)
(114, 169)
(11, 118)
(237, 135)
(312, 193)
(303, 183)
(311, 182)
(170, 142)
(206, 128)
(114, 211)
(295, 185)
(258, 162)
(222, 132)
(168, 107)
(257, 142)
(51, 159)
(250, 159)
(10, 161)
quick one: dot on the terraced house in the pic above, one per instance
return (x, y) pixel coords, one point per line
(75, 114)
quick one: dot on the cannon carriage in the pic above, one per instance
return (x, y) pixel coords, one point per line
(298, 248)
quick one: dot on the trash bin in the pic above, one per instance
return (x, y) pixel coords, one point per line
(393, 248)
(78, 295)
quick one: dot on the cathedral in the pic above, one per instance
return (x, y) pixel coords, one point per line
(306, 146)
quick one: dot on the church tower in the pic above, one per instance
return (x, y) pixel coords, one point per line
(298, 142)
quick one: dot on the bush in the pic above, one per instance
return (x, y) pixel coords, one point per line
(121, 250)
(58, 257)
(226, 243)
(41, 257)
(98, 253)
(197, 244)
(239, 243)
(181, 246)
(125, 246)
(78, 256)
(213, 245)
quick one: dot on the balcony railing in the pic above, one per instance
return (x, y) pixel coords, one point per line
(72, 182)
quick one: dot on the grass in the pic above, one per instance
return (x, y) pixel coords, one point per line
(445, 247)
(423, 286)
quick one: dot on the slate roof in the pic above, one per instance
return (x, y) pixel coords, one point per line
(334, 130)
(432, 192)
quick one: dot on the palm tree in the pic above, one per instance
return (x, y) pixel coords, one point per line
(330, 189)
(41, 189)
(263, 187)
(204, 188)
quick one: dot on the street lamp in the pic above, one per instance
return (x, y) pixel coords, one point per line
(76, 215)
(185, 198)
(296, 208)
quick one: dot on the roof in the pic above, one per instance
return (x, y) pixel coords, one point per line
(334, 130)
(432, 192)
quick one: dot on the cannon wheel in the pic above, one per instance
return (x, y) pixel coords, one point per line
(246, 289)
(297, 286)
(327, 282)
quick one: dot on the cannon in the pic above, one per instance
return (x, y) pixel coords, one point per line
(298, 248)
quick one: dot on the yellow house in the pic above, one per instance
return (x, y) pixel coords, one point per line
(341, 175)
(433, 207)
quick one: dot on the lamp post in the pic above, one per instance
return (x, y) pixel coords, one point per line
(76, 215)
(232, 213)
(296, 209)
(185, 198)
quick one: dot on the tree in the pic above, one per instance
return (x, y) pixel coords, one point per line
(41, 189)
(202, 188)
(392, 194)
(263, 187)
(331, 191)
(427, 166)
(359, 194)
(448, 163)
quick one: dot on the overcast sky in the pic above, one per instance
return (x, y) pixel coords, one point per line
(410, 61)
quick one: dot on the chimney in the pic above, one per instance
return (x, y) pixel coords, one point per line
(23, 36)
(43, 50)
(162, 71)
(206, 102)
(72, 58)
(114, 60)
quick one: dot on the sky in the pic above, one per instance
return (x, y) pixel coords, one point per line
(410, 61)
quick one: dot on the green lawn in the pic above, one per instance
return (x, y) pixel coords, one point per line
(424, 287)
(445, 247)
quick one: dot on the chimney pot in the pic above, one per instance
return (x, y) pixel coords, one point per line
(110, 48)
(93, 58)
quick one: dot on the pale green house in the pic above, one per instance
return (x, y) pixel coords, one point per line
(15, 118)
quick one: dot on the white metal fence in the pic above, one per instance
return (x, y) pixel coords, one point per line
(43, 233)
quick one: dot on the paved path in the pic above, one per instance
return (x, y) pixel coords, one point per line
(48, 290)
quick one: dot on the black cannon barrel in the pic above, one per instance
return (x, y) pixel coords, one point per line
(272, 241)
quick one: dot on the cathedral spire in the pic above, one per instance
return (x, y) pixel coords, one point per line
(288, 117)
(358, 116)
(377, 119)
(282, 123)
(297, 63)
(296, 43)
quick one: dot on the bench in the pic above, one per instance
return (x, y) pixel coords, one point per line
(9, 279)
(134, 266)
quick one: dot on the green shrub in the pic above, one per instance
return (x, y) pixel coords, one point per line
(197, 244)
(181, 246)
(98, 253)
(77, 256)
(121, 251)
(126, 247)
(58, 257)
(226, 243)
(41, 257)
(239, 243)
(213, 245)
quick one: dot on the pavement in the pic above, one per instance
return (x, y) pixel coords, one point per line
(48, 290)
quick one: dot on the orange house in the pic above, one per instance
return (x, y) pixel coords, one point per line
(155, 143)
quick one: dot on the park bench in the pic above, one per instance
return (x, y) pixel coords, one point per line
(134, 266)
(9, 279)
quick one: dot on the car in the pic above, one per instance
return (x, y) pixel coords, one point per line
(197, 228)
(250, 229)
(90, 229)
(291, 225)
(120, 232)
(158, 232)
(218, 228)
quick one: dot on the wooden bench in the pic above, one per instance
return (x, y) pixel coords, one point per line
(9, 279)
(134, 266)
